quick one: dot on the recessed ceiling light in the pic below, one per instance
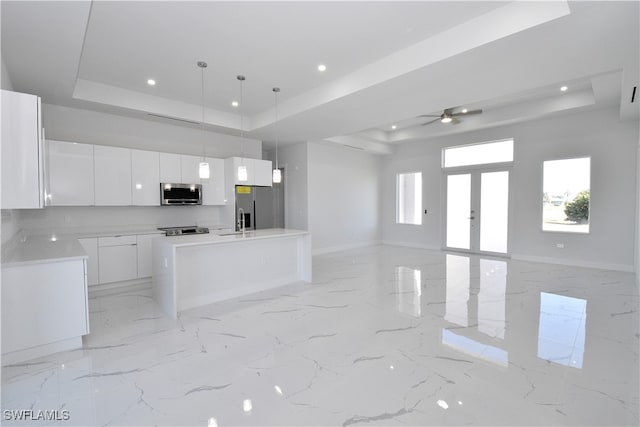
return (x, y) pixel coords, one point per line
(151, 82)
(322, 67)
(464, 111)
(393, 127)
(235, 104)
(564, 88)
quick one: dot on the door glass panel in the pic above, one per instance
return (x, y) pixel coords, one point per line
(494, 211)
(458, 211)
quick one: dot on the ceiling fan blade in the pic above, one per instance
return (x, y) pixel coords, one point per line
(431, 121)
(468, 113)
(455, 121)
(429, 115)
(448, 111)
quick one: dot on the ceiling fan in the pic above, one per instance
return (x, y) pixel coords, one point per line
(448, 116)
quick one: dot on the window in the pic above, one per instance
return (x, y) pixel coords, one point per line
(478, 154)
(409, 198)
(565, 195)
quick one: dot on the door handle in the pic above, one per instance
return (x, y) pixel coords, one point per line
(472, 217)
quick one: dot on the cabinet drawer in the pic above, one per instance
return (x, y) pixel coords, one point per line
(116, 241)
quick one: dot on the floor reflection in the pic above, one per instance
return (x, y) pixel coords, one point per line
(409, 290)
(562, 328)
(475, 348)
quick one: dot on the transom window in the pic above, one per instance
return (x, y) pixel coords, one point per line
(478, 154)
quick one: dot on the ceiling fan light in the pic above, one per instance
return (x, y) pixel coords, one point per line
(446, 119)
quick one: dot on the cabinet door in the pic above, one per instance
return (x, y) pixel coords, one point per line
(170, 168)
(190, 166)
(145, 178)
(70, 174)
(43, 303)
(213, 188)
(90, 245)
(22, 172)
(112, 175)
(262, 173)
(117, 263)
(145, 249)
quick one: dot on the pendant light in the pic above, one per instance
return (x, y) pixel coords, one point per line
(203, 169)
(242, 169)
(277, 173)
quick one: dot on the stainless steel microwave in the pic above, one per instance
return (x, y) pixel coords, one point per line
(180, 194)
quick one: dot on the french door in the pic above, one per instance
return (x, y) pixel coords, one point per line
(477, 213)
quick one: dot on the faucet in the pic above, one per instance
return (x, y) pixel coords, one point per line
(241, 221)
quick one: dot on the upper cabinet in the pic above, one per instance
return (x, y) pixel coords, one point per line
(70, 170)
(145, 178)
(170, 168)
(258, 171)
(190, 169)
(213, 188)
(112, 175)
(22, 152)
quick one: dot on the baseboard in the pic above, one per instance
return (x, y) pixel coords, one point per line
(19, 356)
(411, 245)
(574, 262)
(119, 287)
(332, 249)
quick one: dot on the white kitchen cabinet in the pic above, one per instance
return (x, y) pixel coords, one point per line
(22, 152)
(190, 168)
(258, 171)
(170, 168)
(145, 178)
(263, 173)
(112, 175)
(43, 303)
(90, 245)
(118, 258)
(145, 251)
(71, 174)
(213, 188)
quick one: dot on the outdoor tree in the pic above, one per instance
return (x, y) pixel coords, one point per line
(578, 209)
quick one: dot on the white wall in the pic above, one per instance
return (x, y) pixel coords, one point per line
(637, 248)
(344, 197)
(612, 146)
(5, 77)
(293, 158)
(91, 127)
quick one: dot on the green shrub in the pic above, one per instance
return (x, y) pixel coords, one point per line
(578, 209)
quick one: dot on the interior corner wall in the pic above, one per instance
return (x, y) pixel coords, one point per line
(293, 159)
(612, 146)
(344, 197)
(5, 77)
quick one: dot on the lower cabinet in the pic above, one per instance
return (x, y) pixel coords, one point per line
(117, 258)
(90, 246)
(43, 304)
(145, 250)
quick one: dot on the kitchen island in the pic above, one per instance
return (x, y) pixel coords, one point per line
(195, 270)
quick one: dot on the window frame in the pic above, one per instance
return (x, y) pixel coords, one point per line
(398, 174)
(541, 195)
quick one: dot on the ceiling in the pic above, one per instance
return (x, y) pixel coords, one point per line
(387, 62)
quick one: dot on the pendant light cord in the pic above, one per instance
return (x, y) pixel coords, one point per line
(276, 91)
(202, 122)
(241, 78)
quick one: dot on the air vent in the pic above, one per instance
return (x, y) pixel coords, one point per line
(633, 94)
(173, 118)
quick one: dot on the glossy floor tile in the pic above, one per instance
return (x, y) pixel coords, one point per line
(384, 336)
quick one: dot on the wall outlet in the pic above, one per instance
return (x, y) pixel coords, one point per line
(560, 245)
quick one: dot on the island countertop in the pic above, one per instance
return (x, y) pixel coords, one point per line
(208, 239)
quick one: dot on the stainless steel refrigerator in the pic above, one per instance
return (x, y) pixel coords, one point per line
(263, 207)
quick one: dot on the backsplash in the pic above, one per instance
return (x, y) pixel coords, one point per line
(61, 218)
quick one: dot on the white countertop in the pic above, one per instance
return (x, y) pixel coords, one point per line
(209, 239)
(39, 249)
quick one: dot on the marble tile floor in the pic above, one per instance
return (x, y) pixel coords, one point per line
(383, 336)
